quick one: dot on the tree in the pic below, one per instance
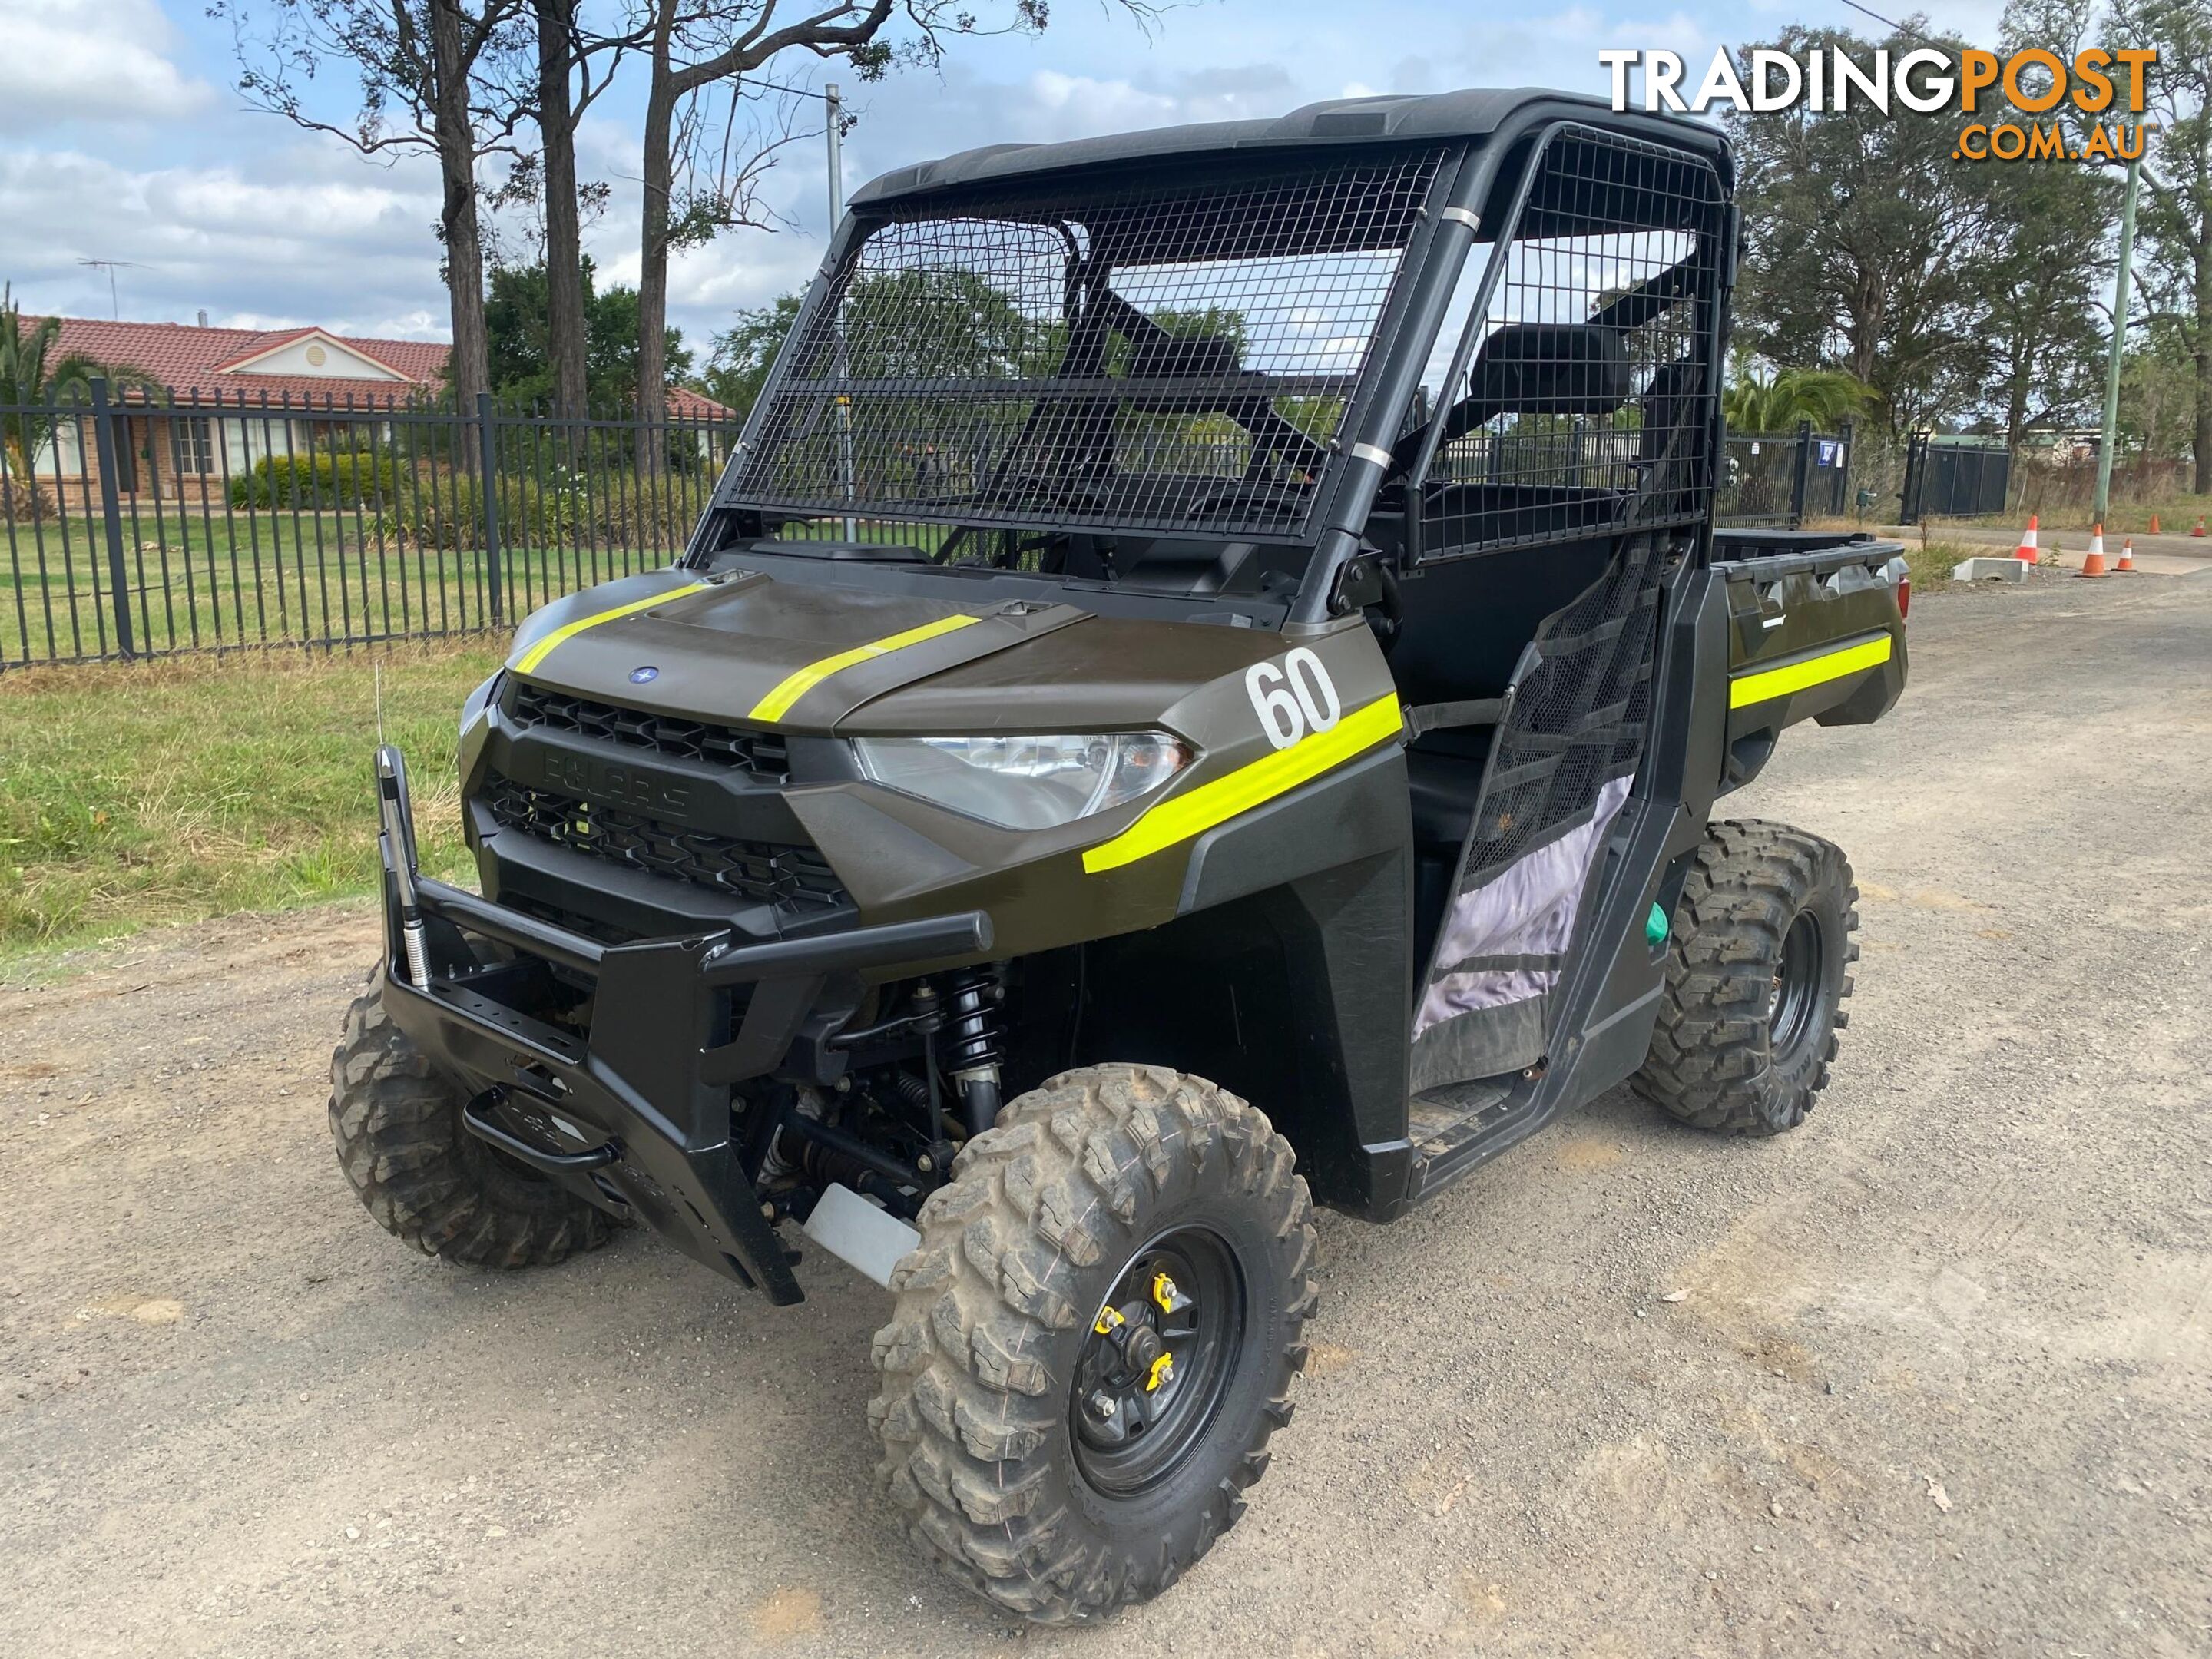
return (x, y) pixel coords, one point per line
(738, 362)
(701, 175)
(2038, 294)
(519, 327)
(1854, 223)
(2176, 211)
(2158, 394)
(1755, 401)
(31, 375)
(2041, 284)
(435, 77)
(574, 67)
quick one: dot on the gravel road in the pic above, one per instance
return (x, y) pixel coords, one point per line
(1936, 1377)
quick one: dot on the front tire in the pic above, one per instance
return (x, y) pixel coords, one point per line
(397, 1122)
(1117, 1214)
(1757, 968)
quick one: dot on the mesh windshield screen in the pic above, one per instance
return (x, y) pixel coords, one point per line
(1159, 358)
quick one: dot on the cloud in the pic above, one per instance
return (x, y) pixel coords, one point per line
(311, 236)
(903, 121)
(234, 211)
(91, 60)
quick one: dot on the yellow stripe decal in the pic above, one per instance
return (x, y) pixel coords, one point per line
(777, 703)
(567, 631)
(1764, 687)
(1179, 818)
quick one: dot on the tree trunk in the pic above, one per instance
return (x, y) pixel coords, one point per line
(2203, 355)
(659, 169)
(564, 238)
(457, 225)
(2204, 481)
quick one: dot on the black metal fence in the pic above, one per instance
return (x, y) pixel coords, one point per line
(1948, 477)
(144, 524)
(1771, 479)
(140, 524)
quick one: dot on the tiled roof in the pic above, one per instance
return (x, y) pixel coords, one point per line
(203, 362)
(189, 360)
(695, 405)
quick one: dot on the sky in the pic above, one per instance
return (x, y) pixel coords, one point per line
(124, 137)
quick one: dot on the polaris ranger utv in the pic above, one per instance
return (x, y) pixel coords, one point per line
(1203, 684)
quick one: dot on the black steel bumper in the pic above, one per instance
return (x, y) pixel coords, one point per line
(637, 1114)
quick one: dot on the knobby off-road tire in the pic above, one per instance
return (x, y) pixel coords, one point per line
(1047, 1213)
(1757, 967)
(426, 1179)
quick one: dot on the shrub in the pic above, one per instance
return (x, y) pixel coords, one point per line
(24, 500)
(347, 479)
(618, 512)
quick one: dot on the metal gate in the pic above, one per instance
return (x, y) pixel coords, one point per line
(1948, 478)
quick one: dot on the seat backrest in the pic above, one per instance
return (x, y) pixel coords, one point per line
(1535, 368)
(1466, 621)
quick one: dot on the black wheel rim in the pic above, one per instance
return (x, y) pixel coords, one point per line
(1158, 1361)
(1793, 1009)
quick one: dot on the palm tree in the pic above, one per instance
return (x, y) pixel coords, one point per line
(1757, 402)
(32, 380)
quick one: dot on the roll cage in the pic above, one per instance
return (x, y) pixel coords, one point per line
(1552, 383)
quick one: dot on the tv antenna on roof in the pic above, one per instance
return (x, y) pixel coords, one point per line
(111, 266)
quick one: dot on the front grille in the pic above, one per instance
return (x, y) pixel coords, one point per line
(759, 872)
(761, 753)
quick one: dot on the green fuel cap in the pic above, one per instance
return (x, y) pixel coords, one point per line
(1655, 927)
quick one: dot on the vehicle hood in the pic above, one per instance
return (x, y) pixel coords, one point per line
(745, 648)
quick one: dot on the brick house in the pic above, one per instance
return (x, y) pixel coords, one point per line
(234, 396)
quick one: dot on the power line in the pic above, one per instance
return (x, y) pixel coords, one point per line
(778, 86)
(1894, 29)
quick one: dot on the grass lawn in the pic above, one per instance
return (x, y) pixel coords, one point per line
(2177, 511)
(175, 791)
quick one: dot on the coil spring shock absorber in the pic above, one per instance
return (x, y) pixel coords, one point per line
(972, 1047)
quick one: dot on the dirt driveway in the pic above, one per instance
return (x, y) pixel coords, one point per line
(1939, 1378)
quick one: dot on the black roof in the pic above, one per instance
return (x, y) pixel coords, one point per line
(1385, 118)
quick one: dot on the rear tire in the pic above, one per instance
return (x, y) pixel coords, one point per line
(397, 1125)
(1009, 1328)
(1757, 968)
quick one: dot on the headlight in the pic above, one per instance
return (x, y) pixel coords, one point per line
(1026, 783)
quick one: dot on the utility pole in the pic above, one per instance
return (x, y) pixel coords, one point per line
(835, 104)
(2109, 438)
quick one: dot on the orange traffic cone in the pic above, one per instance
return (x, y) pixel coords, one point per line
(2127, 554)
(2026, 552)
(2200, 525)
(2153, 524)
(2092, 563)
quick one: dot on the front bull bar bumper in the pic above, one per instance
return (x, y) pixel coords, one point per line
(641, 1105)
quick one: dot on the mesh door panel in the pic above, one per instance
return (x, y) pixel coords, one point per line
(1577, 719)
(1586, 403)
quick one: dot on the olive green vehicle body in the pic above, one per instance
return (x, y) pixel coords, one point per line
(1261, 921)
(722, 649)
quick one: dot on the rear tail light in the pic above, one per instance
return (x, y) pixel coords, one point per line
(1904, 597)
